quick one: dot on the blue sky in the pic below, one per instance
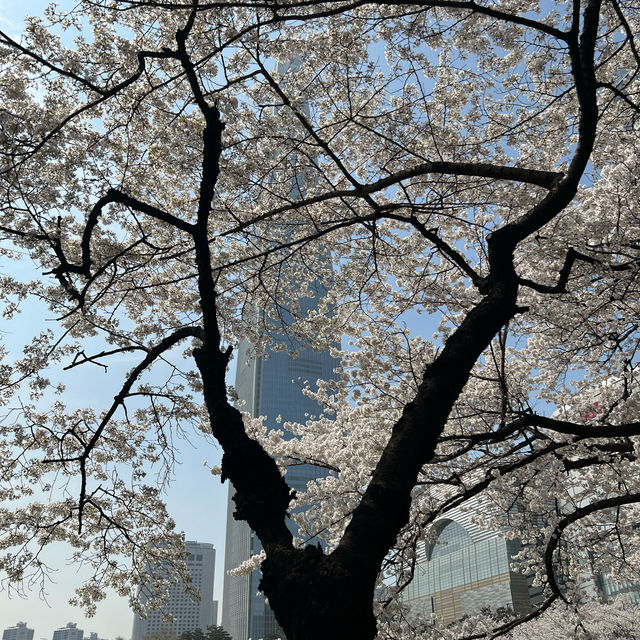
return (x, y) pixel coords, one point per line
(197, 500)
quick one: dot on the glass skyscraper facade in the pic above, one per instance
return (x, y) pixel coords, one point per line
(467, 569)
(270, 386)
(610, 588)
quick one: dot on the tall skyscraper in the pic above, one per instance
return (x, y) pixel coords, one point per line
(188, 614)
(269, 386)
(19, 632)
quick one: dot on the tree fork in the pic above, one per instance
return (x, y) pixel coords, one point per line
(315, 596)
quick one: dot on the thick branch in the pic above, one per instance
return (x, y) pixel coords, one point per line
(280, 9)
(544, 179)
(619, 94)
(187, 64)
(310, 129)
(578, 429)
(491, 12)
(52, 67)
(578, 514)
(581, 52)
(116, 197)
(113, 196)
(455, 257)
(563, 276)
(105, 95)
(385, 505)
(262, 496)
(631, 36)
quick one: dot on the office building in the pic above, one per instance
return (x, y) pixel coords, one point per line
(609, 588)
(19, 632)
(187, 614)
(465, 569)
(270, 387)
(70, 632)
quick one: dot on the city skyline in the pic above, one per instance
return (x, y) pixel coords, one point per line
(113, 617)
(196, 485)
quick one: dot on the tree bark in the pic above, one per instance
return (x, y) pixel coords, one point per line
(315, 597)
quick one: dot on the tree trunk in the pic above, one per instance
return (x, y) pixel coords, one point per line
(316, 597)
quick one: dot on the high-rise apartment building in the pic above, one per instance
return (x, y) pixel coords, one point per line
(70, 632)
(187, 614)
(19, 632)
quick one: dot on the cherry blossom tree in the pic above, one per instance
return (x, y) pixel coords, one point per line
(469, 164)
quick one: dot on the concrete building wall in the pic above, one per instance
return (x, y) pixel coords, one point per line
(70, 632)
(188, 614)
(19, 632)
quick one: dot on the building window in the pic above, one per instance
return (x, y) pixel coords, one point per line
(452, 537)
